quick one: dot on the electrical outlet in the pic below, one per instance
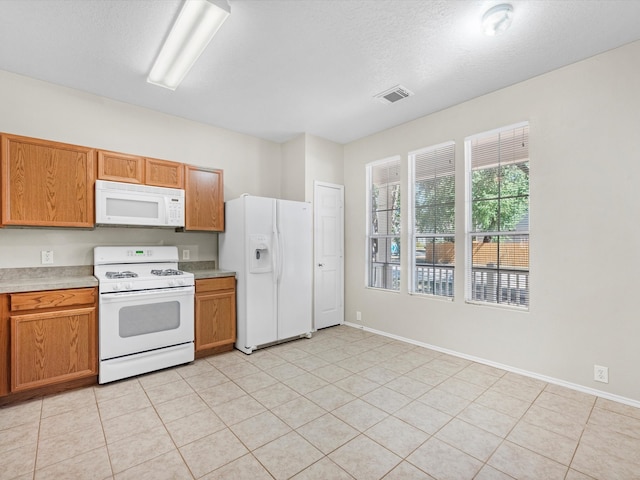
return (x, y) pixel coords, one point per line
(601, 374)
(46, 257)
(358, 316)
(186, 254)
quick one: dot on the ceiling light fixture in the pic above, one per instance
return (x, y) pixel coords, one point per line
(497, 19)
(197, 23)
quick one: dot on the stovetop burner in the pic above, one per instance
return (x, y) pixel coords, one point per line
(166, 272)
(125, 269)
(126, 274)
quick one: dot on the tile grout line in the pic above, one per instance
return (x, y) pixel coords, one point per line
(104, 435)
(573, 456)
(35, 460)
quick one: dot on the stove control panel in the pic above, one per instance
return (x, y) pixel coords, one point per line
(139, 253)
(105, 255)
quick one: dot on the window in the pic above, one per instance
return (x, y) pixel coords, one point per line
(432, 178)
(383, 224)
(498, 217)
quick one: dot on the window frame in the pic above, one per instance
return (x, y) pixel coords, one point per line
(413, 234)
(369, 236)
(470, 233)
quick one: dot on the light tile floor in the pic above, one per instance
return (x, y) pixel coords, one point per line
(344, 404)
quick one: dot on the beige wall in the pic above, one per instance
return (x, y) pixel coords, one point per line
(293, 168)
(324, 163)
(585, 169)
(37, 109)
(306, 159)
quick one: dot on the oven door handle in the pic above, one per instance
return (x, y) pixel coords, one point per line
(160, 292)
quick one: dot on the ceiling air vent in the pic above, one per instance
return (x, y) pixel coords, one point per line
(393, 94)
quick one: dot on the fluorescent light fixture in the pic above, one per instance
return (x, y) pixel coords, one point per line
(497, 19)
(198, 22)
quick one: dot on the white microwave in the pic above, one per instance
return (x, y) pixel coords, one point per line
(138, 205)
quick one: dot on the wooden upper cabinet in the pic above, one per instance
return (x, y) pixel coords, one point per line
(162, 173)
(204, 195)
(46, 184)
(120, 167)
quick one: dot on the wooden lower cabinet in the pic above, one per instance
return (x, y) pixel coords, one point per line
(5, 358)
(215, 315)
(53, 347)
(53, 338)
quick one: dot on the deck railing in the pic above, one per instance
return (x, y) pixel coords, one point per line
(488, 284)
(506, 286)
(385, 275)
(434, 280)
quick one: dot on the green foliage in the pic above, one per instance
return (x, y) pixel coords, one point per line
(435, 205)
(500, 198)
(500, 201)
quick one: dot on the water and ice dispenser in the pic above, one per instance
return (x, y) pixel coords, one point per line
(260, 253)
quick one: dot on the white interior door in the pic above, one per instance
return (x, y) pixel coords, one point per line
(328, 254)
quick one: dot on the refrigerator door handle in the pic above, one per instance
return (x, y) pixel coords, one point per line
(276, 246)
(275, 254)
(281, 257)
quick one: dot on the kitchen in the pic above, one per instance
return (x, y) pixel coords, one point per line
(146, 303)
(260, 167)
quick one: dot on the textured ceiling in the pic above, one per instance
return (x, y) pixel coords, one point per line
(278, 68)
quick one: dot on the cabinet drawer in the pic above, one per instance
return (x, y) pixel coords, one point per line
(51, 299)
(215, 284)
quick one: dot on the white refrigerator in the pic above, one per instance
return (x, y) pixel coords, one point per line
(268, 243)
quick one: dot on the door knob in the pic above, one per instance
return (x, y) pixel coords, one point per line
(321, 264)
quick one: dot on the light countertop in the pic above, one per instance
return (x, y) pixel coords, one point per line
(33, 279)
(15, 280)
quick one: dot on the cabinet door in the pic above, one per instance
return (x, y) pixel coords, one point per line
(46, 183)
(204, 199)
(162, 173)
(215, 319)
(4, 345)
(120, 167)
(52, 347)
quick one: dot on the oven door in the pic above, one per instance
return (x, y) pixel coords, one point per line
(135, 322)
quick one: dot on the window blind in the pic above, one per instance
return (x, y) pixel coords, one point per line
(432, 172)
(497, 260)
(383, 224)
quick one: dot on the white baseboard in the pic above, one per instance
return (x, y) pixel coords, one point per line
(508, 368)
